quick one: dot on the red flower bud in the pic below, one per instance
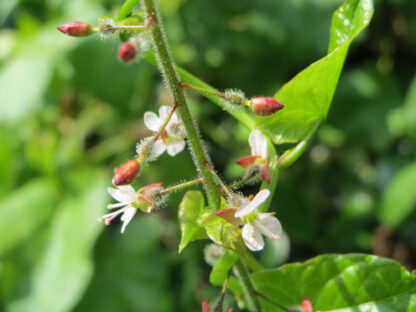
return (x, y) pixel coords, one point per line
(307, 305)
(76, 29)
(127, 52)
(265, 106)
(126, 173)
(205, 307)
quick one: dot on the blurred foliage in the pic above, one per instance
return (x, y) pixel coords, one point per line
(70, 112)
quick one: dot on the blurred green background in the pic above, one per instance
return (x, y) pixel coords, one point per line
(70, 113)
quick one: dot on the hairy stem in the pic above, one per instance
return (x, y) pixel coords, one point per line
(241, 273)
(167, 68)
(181, 186)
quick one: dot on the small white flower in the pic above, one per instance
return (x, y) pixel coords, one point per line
(173, 138)
(257, 224)
(258, 144)
(126, 196)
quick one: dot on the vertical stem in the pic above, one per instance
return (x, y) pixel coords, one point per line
(240, 271)
(170, 76)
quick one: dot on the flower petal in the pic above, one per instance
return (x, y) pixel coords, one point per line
(249, 206)
(152, 122)
(158, 148)
(271, 224)
(164, 111)
(127, 216)
(123, 194)
(258, 144)
(175, 147)
(253, 239)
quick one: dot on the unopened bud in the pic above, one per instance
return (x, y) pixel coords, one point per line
(126, 173)
(127, 52)
(205, 306)
(76, 29)
(149, 196)
(265, 106)
(307, 305)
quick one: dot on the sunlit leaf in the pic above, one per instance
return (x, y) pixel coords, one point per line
(190, 209)
(353, 282)
(307, 97)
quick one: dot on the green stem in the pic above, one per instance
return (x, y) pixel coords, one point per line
(241, 273)
(181, 186)
(167, 68)
(290, 156)
(205, 92)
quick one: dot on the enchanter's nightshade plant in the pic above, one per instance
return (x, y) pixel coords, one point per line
(235, 223)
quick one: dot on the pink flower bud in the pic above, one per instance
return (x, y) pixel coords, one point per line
(265, 106)
(265, 174)
(127, 52)
(126, 173)
(307, 305)
(76, 29)
(205, 307)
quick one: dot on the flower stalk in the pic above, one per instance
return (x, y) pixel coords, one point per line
(241, 273)
(181, 186)
(170, 75)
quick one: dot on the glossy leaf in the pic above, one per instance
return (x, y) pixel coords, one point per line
(307, 97)
(190, 209)
(354, 282)
(399, 200)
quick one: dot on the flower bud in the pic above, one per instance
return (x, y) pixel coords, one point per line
(205, 306)
(76, 29)
(127, 52)
(307, 305)
(126, 173)
(149, 197)
(265, 106)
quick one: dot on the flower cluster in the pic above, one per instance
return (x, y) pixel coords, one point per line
(254, 224)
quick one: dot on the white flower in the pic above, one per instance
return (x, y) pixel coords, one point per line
(258, 144)
(173, 138)
(257, 224)
(126, 196)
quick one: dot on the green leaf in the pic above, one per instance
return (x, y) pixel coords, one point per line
(25, 211)
(307, 97)
(354, 282)
(19, 73)
(62, 274)
(222, 267)
(190, 209)
(126, 8)
(399, 200)
(220, 271)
